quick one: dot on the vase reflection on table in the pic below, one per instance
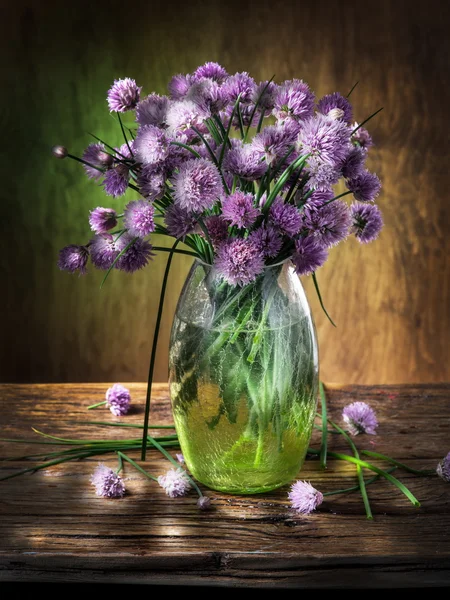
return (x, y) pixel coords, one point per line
(243, 378)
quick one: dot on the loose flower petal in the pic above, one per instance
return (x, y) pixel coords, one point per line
(304, 497)
(118, 399)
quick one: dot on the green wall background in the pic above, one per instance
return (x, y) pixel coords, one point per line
(390, 300)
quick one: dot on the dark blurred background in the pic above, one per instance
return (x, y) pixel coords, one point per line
(390, 300)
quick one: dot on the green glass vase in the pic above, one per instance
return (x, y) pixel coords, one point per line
(243, 378)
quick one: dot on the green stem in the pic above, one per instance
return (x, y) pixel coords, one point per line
(336, 197)
(348, 95)
(324, 444)
(356, 488)
(136, 466)
(316, 285)
(186, 147)
(368, 119)
(96, 405)
(154, 346)
(124, 135)
(423, 472)
(227, 140)
(120, 463)
(164, 249)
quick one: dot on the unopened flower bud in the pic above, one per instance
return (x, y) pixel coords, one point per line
(59, 151)
(105, 159)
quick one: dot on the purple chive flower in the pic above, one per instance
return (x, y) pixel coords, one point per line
(102, 220)
(335, 106)
(443, 468)
(360, 418)
(180, 458)
(240, 83)
(103, 251)
(151, 181)
(138, 218)
(285, 217)
(210, 70)
(208, 95)
(107, 483)
(73, 258)
(151, 145)
(175, 483)
(116, 181)
(197, 185)
(137, 255)
(271, 144)
(353, 165)
(126, 150)
(266, 240)
(179, 222)
(123, 95)
(319, 197)
(217, 229)
(365, 186)
(264, 94)
(239, 209)
(244, 161)
(96, 155)
(328, 224)
(204, 503)
(362, 136)
(182, 117)
(308, 255)
(304, 497)
(293, 101)
(238, 261)
(322, 175)
(325, 138)
(152, 110)
(118, 399)
(367, 222)
(179, 86)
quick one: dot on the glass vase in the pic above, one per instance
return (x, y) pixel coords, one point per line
(243, 378)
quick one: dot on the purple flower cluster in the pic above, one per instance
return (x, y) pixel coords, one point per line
(443, 468)
(118, 399)
(360, 418)
(304, 497)
(175, 483)
(107, 483)
(241, 202)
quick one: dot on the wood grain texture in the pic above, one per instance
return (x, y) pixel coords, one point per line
(390, 300)
(54, 528)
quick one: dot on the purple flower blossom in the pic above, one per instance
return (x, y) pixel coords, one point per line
(179, 86)
(326, 139)
(107, 483)
(182, 117)
(103, 251)
(443, 468)
(73, 258)
(319, 197)
(123, 95)
(264, 94)
(137, 255)
(151, 181)
(360, 418)
(138, 218)
(175, 483)
(126, 150)
(197, 185)
(210, 70)
(244, 161)
(266, 240)
(367, 222)
(304, 497)
(239, 209)
(102, 220)
(353, 165)
(118, 399)
(151, 145)
(293, 101)
(271, 144)
(322, 175)
(285, 217)
(180, 458)
(116, 181)
(179, 222)
(365, 186)
(362, 136)
(238, 261)
(217, 229)
(152, 110)
(335, 106)
(240, 83)
(308, 255)
(208, 95)
(204, 503)
(96, 155)
(328, 224)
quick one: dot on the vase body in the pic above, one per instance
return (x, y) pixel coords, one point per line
(243, 375)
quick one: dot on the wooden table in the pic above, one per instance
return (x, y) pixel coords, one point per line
(54, 528)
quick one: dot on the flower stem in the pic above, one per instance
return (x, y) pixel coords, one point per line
(154, 346)
(136, 466)
(356, 488)
(124, 135)
(423, 472)
(120, 463)
(96, 405)
(164, 249)
(324, 444)
(316, 285)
